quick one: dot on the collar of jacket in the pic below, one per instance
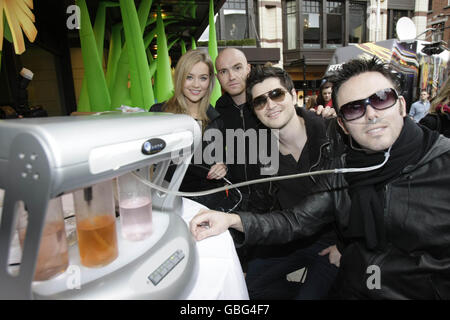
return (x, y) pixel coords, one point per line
(225, 101)
(316, 126)
(212, 113)
(326, 134)
(440, 146)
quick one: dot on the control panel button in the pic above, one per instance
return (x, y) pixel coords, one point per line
(156, 276)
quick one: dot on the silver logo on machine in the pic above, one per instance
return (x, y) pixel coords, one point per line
(153, 146)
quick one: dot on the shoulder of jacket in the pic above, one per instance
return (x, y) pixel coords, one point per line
(441, 148)
(212, 113)
(157, 107)
(223, 101)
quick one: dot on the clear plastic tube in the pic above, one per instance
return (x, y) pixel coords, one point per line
(277, 178)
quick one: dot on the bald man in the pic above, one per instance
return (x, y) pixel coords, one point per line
(232, 71)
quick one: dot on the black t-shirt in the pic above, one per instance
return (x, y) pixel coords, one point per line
(290, 191)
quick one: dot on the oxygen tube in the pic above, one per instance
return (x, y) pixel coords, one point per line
(246, 183)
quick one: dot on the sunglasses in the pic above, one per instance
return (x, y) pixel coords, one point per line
(380, 100)
(276, 95)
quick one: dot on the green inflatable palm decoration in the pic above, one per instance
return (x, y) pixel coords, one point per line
(163, 83)
(213, 52)
(99, 99)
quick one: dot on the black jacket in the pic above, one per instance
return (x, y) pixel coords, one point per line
(285, 194)
(195, 177)
(416, 262)
(439, 122)
(240, 120)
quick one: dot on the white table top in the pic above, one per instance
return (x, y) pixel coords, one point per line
(220, 274)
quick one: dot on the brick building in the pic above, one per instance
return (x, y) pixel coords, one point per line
(438, 18)
(307, 32)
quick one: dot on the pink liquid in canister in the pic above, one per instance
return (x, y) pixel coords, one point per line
(136, 218)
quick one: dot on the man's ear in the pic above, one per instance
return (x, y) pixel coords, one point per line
(402, 106)
(342, 125)
(294, 96)
(249, 68)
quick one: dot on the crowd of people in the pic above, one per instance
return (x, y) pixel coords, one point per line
(380, 230)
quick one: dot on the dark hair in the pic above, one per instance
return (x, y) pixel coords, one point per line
(325, 84)
(260, 73)
(357, 66)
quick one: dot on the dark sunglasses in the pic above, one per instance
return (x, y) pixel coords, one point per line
(380, 100)
(276, 95)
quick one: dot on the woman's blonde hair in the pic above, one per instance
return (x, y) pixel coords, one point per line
(178, 104)
(442, 97)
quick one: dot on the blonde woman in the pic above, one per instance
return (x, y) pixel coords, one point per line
(193, 81)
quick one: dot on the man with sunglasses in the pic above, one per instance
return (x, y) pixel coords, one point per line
(237, 115)
(393, 218)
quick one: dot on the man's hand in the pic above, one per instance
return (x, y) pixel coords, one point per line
(334, 255)
(217, 171)
(326, 112)
(207, 223)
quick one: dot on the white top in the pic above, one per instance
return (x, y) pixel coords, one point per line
(220, 274)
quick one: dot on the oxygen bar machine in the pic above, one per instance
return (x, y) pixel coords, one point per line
(43, 158)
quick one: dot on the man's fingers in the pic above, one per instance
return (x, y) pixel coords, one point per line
(218, 171)
(319, 109)
(198, 220)
(204, 233)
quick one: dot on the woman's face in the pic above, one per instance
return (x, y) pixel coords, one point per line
(196, 83)
(326, 94)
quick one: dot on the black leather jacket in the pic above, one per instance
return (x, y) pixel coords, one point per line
(416, 262)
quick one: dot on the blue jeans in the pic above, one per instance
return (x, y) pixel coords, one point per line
(266, 277)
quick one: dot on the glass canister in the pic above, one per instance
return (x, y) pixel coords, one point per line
(96, 224)
(135, 206)
(53, 257)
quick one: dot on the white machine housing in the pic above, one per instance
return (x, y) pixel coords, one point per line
(43, 158)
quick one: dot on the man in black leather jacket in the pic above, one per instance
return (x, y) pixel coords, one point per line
(394, 219)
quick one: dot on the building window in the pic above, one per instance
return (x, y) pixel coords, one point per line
(335, 23)
(438, 35)
(291, 24)
(235, 26)
(235, 4)
(311, 23)
(357, 22)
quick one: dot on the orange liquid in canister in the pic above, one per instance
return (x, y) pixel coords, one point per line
(97, 240)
